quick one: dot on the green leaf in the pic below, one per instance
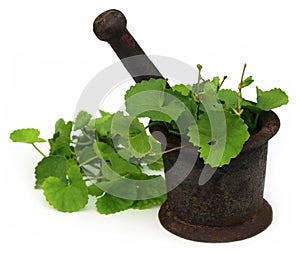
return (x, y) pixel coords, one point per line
(190, 107)
(51, 166)
(249, 119)
(184, 90)
(72, 162)
(215, 83)
(105, 151)
(132, 133)
(82, 120)
(63, 128)
(148, 186)
(248, 81)
(267, 100)
(154, 155)
(137, 186)
(145, 85)
(95, 190)
(109, 204)
(66, 197)
(86, 154)
(28, 136)
(209, 99)
(228, 96)
(121, 187)
(149, 99)
(222, 136)
(135, 191)
(60, 143)
(157, 165)
(116, 163)
(104, 113)
(122, 167)
(148, 203)
(103, 125)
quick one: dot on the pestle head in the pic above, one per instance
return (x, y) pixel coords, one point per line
(109, 24)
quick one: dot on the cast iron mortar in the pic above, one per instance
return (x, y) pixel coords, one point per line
(230, 206)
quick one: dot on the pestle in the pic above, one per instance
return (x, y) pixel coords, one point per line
(110, 26)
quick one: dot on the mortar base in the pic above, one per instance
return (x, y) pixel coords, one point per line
(256, 224)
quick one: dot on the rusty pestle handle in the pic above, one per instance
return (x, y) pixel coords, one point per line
(110, 26)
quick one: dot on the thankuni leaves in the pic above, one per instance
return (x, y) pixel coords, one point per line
(107, 157)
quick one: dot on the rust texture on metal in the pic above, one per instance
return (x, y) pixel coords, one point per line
(230, 206)
(110, 26)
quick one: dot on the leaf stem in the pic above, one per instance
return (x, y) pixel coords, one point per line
(172, 149)
(239, 96)
(38, 150)
(242, 78)
(167, 151)
(85, 170)
(87, 135)
(199, 66)
(88, 160)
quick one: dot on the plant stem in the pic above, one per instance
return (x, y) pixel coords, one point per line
(167, 151)
(242, 78)
(88, 171)
(87, 161)
(199, 66)
(239, 96)
(172, 149)
(39, 150)
(87, 135)
(224, 78)
(238, 103)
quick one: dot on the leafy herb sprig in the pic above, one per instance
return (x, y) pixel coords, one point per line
(85, 163)
(101, 154)
(235, 117)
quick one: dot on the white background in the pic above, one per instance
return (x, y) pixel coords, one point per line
(48, 55)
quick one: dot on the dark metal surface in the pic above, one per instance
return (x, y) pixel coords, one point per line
(230, 206)
(197, 232)
(110, 26)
